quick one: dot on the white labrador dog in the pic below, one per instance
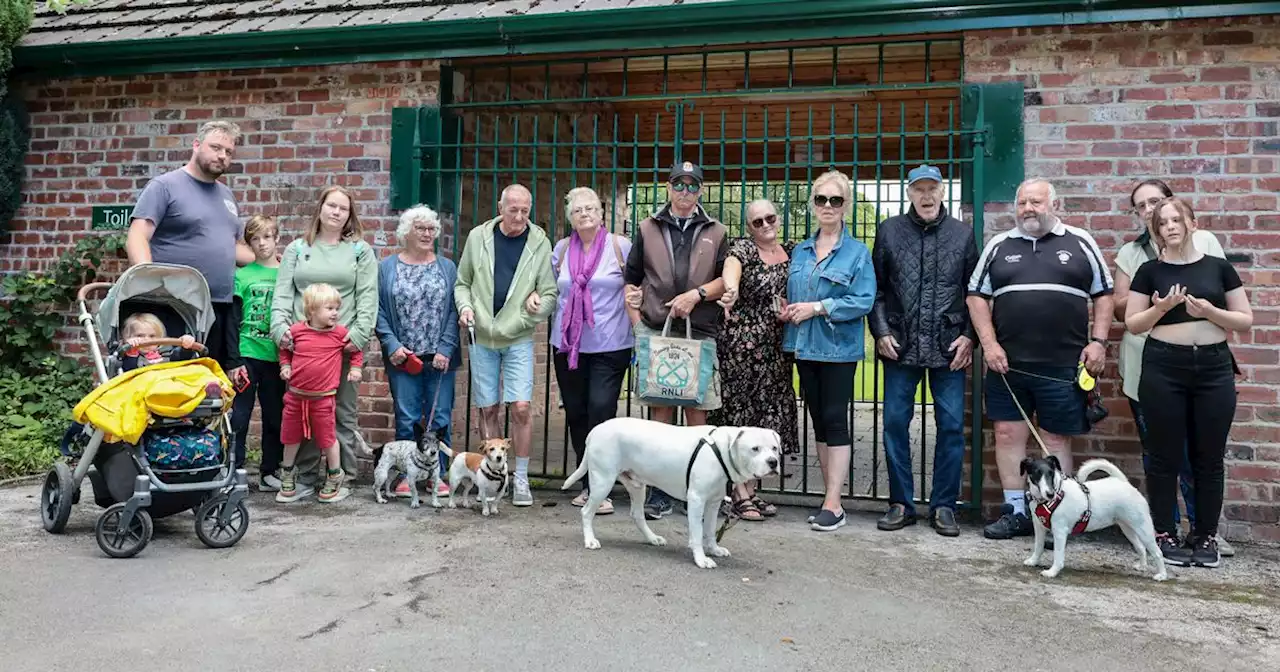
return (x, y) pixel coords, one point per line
(690, 463)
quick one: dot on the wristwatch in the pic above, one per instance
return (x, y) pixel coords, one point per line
(1100, 341)
(702, 294)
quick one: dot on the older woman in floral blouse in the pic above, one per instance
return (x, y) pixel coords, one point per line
(418, 330)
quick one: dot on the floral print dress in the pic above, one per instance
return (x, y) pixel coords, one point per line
(755, 374)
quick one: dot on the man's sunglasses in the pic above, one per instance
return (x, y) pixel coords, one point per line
(833, 201)
(691, 187)
(761, 221)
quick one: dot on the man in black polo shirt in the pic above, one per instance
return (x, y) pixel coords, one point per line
(1035, 283)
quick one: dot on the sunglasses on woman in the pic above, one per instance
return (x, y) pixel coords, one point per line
(691, 187)
(833, 201)
(759, 222)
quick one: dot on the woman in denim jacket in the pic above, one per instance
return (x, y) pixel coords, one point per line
(831, 286)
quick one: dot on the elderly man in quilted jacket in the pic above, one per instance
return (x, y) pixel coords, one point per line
(923, 260)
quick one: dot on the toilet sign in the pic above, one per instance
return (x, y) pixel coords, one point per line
(111, 217)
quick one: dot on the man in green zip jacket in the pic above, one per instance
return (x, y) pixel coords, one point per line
(505, 288)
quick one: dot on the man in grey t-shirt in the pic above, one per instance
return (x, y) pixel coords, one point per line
(188, 217)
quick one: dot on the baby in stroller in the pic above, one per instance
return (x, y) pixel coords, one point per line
(138, 329)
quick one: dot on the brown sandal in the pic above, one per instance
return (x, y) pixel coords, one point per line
(746, 510)
(766, 509)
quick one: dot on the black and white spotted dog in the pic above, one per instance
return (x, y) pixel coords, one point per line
(417, 460)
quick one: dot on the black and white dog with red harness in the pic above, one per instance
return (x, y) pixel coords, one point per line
(1065, 506)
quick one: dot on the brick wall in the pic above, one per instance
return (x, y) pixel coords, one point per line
(97, 142)
(1194, 103)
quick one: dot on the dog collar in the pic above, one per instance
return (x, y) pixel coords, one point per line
(706, 441)
(490, 474)
(423, 464)
(1044, 510)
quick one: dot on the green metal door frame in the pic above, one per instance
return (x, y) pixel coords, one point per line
(513, 139)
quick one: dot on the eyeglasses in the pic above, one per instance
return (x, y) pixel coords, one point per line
(584, 209)
(833, 201)
(691, 187)
(1147, 205)
(426, 229)
(759, 222)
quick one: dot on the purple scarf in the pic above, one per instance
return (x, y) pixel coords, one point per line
(578, 310)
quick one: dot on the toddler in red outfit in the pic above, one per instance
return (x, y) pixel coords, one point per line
(313, 369)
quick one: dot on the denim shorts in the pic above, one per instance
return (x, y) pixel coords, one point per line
(512, 365)
(1048, 394)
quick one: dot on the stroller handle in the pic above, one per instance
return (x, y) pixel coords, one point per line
(176, 342)
(83, 294)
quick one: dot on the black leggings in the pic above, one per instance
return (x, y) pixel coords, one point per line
(1188, 395)
(827, 388)
(590, 392)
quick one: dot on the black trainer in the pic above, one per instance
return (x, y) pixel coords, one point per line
(1009, 525)
(657, 505)
(1174, 553)
(1204, 552)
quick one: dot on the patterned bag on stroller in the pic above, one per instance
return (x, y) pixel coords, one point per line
(171, 448)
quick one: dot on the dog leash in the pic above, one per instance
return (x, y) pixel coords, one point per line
(1023, 413)
(471, 344)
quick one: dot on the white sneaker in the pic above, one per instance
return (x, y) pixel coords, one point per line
(521, 495)
(269, 482)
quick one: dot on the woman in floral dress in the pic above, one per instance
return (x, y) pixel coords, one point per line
(754, 371)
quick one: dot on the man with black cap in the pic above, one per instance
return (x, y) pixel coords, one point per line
(674, 268)
(923, 260)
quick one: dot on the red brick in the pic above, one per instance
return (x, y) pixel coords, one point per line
(1141, 94)
(1090, 132)
(313, 95)
(1114, 148)
(1160, 112)
(1173, 76)
(1089, 168)
(1146, 131)
(1228, 37)
(1226, 74)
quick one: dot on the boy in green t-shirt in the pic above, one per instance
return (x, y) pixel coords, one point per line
(254, 287)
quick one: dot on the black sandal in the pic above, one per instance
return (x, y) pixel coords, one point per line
(745, 509)
(766, 509)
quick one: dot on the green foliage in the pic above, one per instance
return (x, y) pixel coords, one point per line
(30, 312)
(35, 410)
(14, 136)
(38, 387)
(15, 20)
(61, 6)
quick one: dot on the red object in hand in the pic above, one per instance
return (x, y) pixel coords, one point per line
(412, 365)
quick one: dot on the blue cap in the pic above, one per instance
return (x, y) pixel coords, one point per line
(924, 172)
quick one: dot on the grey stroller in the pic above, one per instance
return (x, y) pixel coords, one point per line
(136, 483)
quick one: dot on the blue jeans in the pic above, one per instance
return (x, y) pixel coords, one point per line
(947, 386)
(507, 371)
(412, 395)
(1184, 478)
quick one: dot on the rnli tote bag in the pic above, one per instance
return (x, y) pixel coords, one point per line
(673, 371)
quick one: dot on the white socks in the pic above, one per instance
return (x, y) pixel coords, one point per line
(522, 468)
(1017, 499)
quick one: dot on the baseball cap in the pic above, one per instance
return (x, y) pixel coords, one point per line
(924, 172)
(686, 169)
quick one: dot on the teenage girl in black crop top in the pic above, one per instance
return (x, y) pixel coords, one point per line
(1189, 301)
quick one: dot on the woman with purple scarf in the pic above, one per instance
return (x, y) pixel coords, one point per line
(591, 332)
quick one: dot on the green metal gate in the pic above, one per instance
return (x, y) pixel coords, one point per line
(763, 123)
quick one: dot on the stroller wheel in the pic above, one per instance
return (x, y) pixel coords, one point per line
(125, 543)
(56, 497)
(219, 525)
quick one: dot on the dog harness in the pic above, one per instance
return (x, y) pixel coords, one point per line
(490, 474)
(706, 441)
(1044, 510)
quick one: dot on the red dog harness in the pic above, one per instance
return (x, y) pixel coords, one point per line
(1044, 511)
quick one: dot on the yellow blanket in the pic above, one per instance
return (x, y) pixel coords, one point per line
(123, 406)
